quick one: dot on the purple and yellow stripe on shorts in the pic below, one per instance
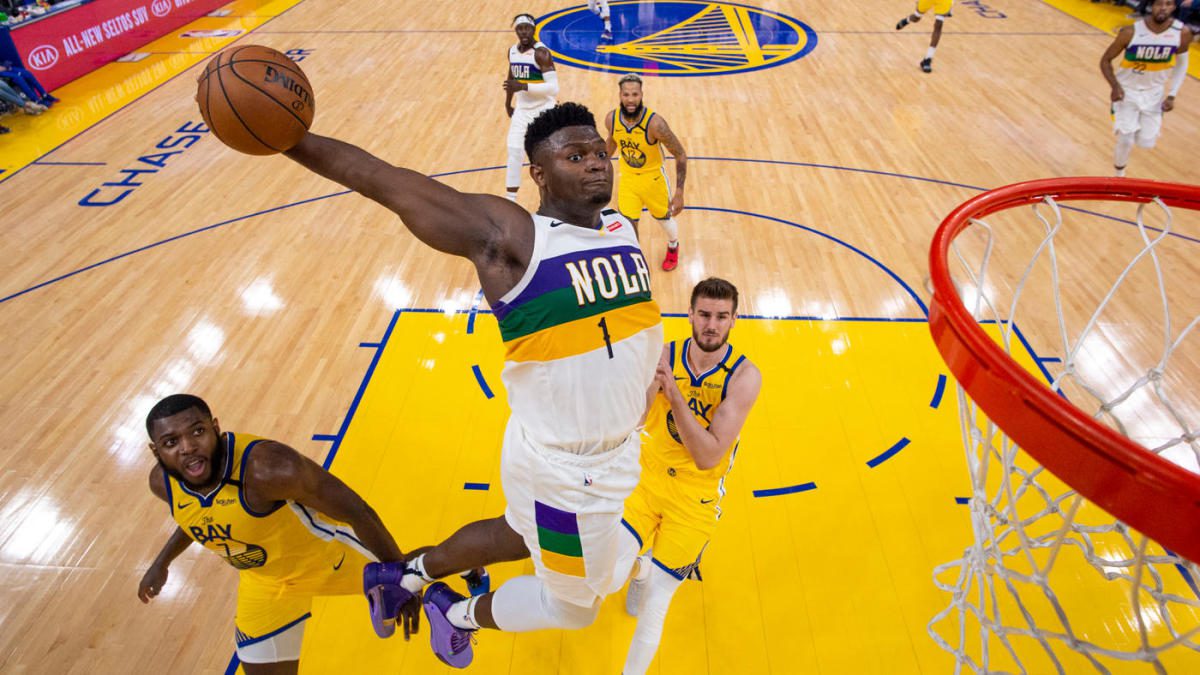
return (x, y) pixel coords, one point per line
(558, 537)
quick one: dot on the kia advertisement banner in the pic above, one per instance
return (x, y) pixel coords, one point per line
(64, 46)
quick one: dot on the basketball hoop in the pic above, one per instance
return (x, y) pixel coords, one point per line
(1024, 519)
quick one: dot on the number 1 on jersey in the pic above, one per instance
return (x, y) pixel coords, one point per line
(607, 340)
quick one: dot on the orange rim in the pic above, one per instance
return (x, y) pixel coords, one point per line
(1147, 492)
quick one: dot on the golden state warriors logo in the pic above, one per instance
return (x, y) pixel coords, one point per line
(679, 38)
(633, 154)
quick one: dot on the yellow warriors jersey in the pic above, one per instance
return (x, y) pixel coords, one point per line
(582, 335)
(1150, 56)
(286, 542)
(704, 393)
(638, 154)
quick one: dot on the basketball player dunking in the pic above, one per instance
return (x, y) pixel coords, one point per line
(291, 529)
(582, 335)
(530, 88)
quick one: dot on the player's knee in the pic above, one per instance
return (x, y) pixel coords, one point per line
(1146, 140)
(573, 617)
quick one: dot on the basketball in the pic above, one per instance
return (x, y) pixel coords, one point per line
(255, 99)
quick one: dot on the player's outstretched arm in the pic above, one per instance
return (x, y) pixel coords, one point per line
(278, 473)
(440, 216)
(662, 133)
(1118, 45)
(156, 577)
(708, 446)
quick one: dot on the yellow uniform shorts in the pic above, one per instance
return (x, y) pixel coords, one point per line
(939, 7)
(650, 189)
(673, 513)
(266, 607)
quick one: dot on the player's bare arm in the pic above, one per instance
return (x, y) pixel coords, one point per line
(660, 132)
(1185, 42)
(610, 143)
(508, 94)
(493, 233)
(1114, 50)
(708, 446)
(156, 577)
(276, 473)
(544, 61)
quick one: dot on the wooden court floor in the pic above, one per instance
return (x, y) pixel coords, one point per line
(311, 316)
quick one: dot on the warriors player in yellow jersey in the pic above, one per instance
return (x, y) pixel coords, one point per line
(941, 12)
(1154, 53)
(291, 529)
(640, 134)
(702, 394)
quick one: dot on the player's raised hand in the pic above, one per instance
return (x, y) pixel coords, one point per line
(152, 583)
(665, 377)
(410, 615)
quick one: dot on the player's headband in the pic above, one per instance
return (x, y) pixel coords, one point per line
(522, 19)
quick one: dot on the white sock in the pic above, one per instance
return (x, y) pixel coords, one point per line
(417, 579)
(1121, 152)
(510, 196)
(607, 24)
(929, 54)
(462, 614)
(656, 599)
(671, 228)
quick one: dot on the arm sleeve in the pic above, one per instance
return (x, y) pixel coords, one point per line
(550, 86)
(1179, 73)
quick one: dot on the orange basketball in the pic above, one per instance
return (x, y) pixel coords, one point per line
(255, 99)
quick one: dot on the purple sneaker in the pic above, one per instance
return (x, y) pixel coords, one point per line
(450, 643)
(385, 595)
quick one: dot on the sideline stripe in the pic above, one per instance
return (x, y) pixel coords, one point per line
(41, 163)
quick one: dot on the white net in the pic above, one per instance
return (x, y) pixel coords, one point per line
(1106, 311)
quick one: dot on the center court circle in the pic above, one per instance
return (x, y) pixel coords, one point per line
(678, 38)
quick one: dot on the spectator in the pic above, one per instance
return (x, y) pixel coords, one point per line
(1189, 12)
(10, 95)
(26, 82)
